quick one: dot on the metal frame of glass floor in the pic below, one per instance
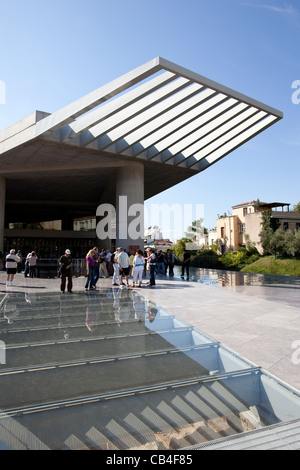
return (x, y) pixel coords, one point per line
(111, 370)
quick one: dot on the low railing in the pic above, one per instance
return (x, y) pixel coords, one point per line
(47, 267)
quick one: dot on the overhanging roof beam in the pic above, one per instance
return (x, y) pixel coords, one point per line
(107, 110)
(215, 121)
(179, 141)
(161, 125)
(228, 132)
(216, 133)
(133, 111)
(183, 72)
(147, 116)
(216, 138)
(233, 144)
(97, 97)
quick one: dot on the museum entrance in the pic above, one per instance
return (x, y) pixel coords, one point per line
(50, 247)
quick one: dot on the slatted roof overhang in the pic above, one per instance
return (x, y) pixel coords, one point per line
(161, 112)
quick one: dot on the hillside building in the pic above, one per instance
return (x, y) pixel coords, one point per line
(245, 223)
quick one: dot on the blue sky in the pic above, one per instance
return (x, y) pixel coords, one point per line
(53, 52)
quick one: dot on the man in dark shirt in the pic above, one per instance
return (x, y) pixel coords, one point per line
(186, 263)
(170, 262)
(65, 263)
(160, 263)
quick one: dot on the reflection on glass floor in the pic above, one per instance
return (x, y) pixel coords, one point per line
(225, 278)
(111, 370)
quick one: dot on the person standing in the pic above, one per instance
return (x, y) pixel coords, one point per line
(90, 263)
(96, 258)
(170, 262)
(138, 266)
(123, 261)
(160, 263)
(115, 263)
(26, 268)
(102, 261)
(186, 264)
(65, 263)
(131, 260)
(12, 261)
(19, 267)
(32, 264)
(152, 266)
(110, 268)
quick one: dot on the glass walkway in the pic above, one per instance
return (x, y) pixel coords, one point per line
(111, 370)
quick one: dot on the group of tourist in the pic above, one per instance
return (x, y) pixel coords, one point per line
(134, 265)
(98, 264)
(13, 263)
(120, 265)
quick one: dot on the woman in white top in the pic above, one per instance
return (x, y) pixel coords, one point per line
(138, 266)
(32, 259)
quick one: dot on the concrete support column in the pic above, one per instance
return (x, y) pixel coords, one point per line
(2, 210)
(67, 222)
(130, 206)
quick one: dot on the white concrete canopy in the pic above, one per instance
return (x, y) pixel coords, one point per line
(173, 121)
(144, 113)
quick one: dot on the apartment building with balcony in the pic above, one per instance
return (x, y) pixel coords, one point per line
(245, 223)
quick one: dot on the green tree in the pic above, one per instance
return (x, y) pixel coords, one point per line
(180, 247)
(296, 207)
(289, 242)
(266, 232)
(297, 243)
(250, 246)
(277, 243)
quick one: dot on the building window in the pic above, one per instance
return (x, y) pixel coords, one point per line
(222, 232)
(245, 211)
(297, 226)
(285, 226)
(242, 228)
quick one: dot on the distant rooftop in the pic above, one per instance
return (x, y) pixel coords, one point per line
(268, 205)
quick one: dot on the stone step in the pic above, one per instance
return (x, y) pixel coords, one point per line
(139, 428)
(18, 437)
(163, 418)
(162, 430)
(125, 439)
(100, 440)
(73, 443)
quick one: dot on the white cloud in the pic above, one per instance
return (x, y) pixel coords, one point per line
(287, 9)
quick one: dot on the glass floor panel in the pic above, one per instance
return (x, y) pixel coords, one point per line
(109, 369)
